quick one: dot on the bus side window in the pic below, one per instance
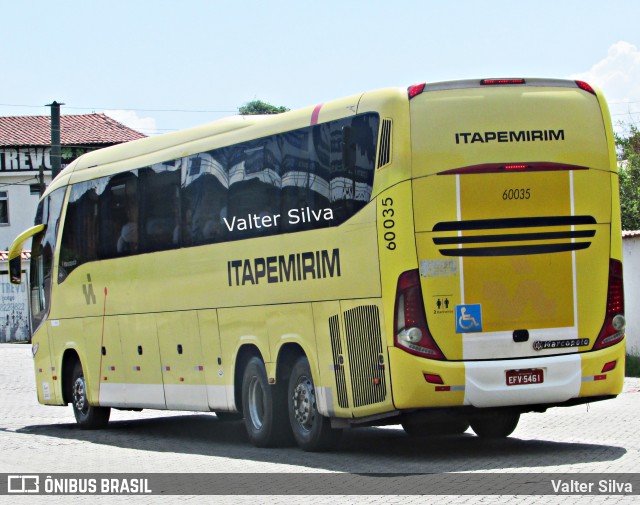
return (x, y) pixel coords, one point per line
(119, 216)
(159, 216)
(204, 198)
(254, 189)
(79, 242)
(353, 143)
(305, 185)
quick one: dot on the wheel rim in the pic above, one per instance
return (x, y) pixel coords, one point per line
(304, 403)
(256, 403)
(79, 395)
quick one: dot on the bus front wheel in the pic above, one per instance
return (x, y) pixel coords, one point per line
(87, 416)
(495, 425)
(311, 430)
(264, 407)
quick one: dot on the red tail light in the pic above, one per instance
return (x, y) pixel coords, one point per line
(411, 329)
(415, 90)
(586, 87)
(614, 323)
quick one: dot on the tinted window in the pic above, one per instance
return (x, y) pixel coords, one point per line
(80, 237)
(42, 253)
(304, 179)
(159, 207)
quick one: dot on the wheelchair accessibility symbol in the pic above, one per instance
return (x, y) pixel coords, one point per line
(468, 318)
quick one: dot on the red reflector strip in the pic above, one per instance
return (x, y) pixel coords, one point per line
(432, 378)
(608, 367)
(500, 82)
(592, 378)
(444, 388)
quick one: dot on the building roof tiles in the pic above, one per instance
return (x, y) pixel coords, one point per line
(77, 130)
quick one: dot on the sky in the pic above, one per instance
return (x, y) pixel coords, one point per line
(160, 65)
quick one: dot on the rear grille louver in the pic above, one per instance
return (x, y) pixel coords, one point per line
(365, 356)
(338, 362)
(513, 223)
(384, 151)
(366, 360)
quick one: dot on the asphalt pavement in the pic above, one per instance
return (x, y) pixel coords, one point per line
(568, 448)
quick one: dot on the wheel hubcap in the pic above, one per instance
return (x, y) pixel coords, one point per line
(256, 403)
(79, 395)
(304, 403)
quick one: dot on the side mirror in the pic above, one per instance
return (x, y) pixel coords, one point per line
(15, 252)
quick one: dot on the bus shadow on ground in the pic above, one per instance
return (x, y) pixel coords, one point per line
(363, 450)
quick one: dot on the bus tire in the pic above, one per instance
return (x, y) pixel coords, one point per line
(87, 416)
(311, 430)
(495, 425)
(264, 407)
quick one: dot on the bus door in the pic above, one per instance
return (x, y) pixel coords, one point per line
(141, 361)
(182, 361)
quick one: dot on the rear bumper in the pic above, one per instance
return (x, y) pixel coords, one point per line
(482, 384)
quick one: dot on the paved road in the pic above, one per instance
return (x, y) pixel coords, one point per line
(603, 438)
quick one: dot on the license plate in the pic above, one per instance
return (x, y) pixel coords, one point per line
(526, 376)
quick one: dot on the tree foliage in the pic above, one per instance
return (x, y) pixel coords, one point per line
(259, 107)
(629, 153)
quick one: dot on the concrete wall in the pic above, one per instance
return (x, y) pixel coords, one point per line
(631, 258)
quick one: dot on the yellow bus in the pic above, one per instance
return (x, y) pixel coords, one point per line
(442, 256)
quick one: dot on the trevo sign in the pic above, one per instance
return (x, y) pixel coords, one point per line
(25, 158)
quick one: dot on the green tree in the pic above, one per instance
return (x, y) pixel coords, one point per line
(259, 107)
(629, 154)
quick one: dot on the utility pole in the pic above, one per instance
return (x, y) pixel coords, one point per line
(56, 153)
(41, 183)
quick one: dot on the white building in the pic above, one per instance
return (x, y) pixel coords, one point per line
(25, 156)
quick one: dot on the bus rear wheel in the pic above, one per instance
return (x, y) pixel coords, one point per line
(264, 407)
(87, 416)
(495, 425)
(311, 430)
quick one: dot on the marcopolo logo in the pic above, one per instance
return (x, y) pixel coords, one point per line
(540, 345)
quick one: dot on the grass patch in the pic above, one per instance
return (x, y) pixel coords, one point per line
(632, 366)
